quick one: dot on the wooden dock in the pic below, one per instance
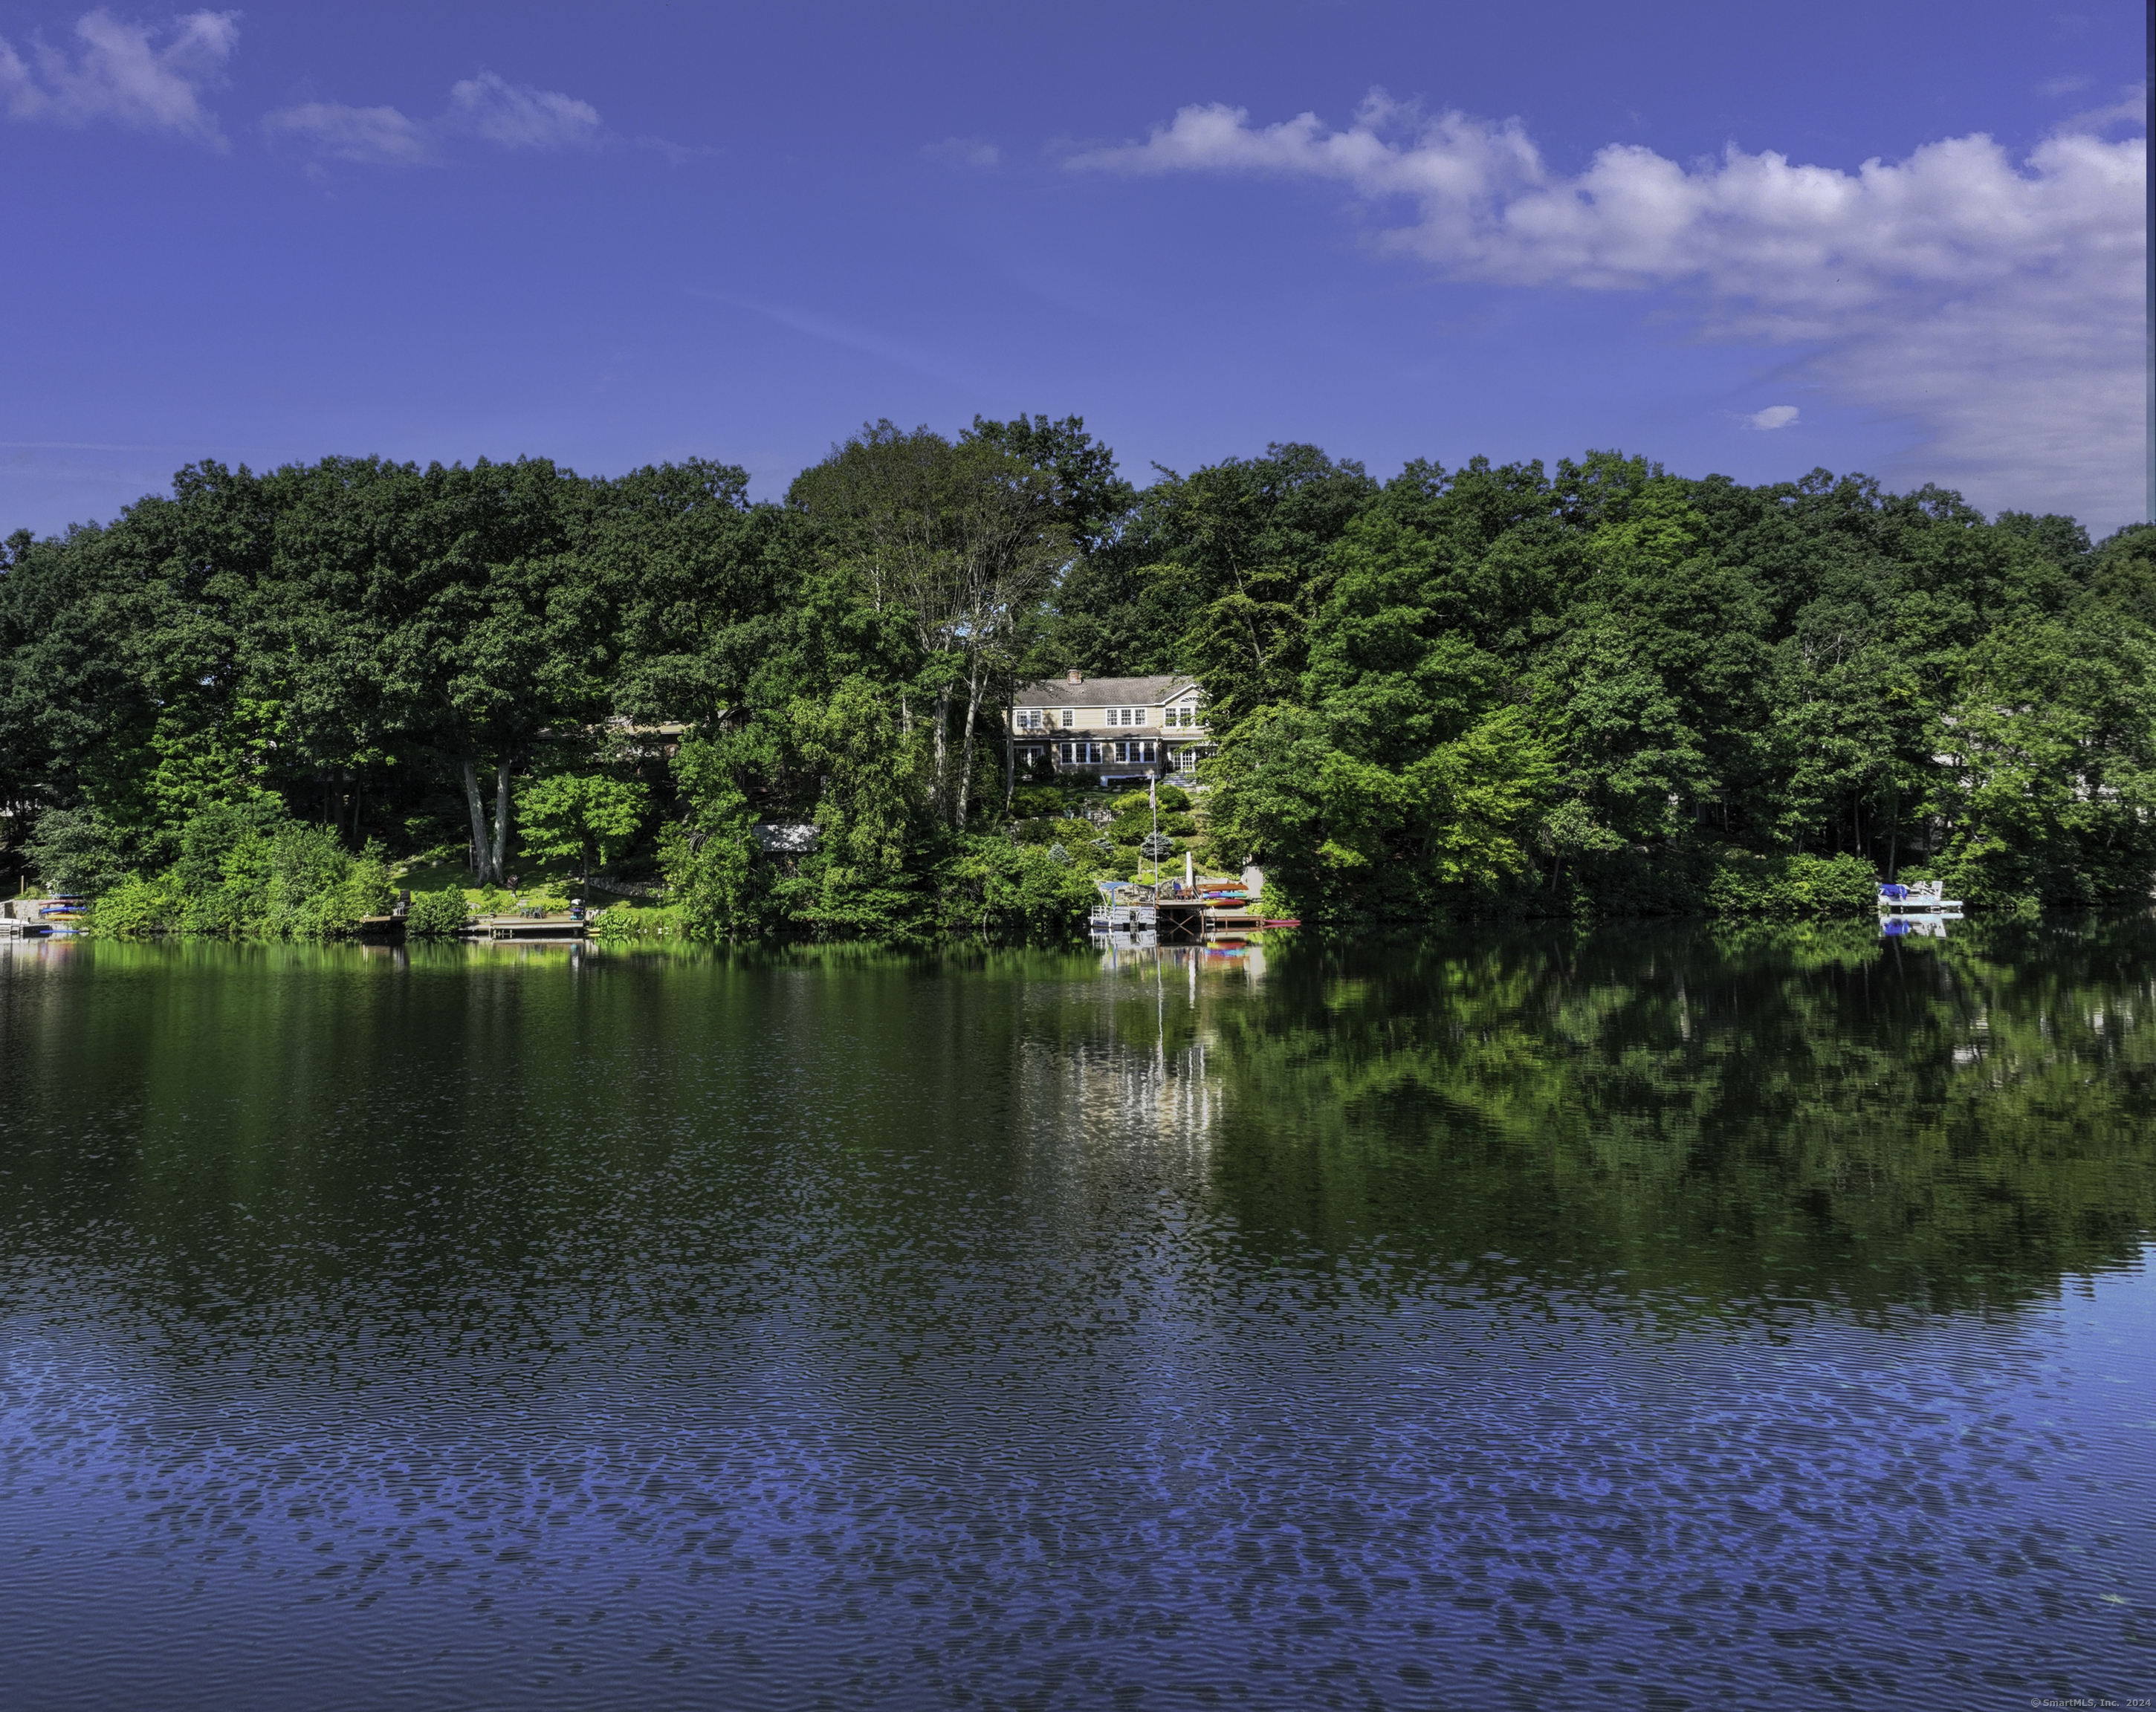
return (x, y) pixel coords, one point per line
(1206, 912)
(549, 929)
(34, 918)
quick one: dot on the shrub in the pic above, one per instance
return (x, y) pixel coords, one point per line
(368, 889)
(1047, 830)
(717, 881)
(1789, 888)
(436, 915)
(305, 862)
(135, 906)
(1021, 895)
(1134, 815)
(619, 923)
(1981, 883)
(318, 889)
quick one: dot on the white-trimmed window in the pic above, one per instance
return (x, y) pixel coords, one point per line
(1069, 719)
(1030, 719)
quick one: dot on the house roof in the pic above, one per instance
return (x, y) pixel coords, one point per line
(1104, 692)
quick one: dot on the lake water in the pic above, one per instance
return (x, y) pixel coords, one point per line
(1662, 1317)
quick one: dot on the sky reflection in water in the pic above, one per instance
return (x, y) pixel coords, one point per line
(1663, 1317)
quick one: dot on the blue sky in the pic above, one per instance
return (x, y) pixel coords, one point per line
(615, 235)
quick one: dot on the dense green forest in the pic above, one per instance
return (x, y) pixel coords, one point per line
(1495, 690)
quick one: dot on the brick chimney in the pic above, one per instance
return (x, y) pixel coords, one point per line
(1077, 676)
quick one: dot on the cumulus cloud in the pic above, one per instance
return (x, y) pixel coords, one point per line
(512, 115)
(1991, 305)
(1774, 416)
(120, 72)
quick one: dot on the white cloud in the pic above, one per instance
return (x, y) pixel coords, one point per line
(373, 134)
(513, 115)
(118, 74)
(1774, 416)
(1990, 305)
(519, 117)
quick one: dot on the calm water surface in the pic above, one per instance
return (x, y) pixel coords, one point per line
(1659, 1318)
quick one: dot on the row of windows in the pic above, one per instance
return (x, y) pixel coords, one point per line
(1128, 750)
(1034, 719)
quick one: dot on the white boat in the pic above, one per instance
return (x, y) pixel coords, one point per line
(1927, 897)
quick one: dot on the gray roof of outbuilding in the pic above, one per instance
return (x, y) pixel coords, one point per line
(1102, 692)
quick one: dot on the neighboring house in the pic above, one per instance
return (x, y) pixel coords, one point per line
(663, 740)
(1109, 728)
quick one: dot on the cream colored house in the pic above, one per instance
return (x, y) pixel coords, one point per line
(1109, 728)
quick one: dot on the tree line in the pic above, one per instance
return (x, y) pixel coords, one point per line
(1493, 689)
